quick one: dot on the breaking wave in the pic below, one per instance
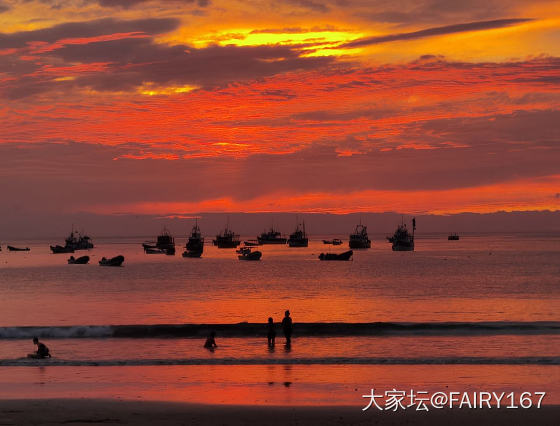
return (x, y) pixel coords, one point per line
(300, 329)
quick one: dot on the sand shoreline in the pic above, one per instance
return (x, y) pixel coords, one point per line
(100, 411)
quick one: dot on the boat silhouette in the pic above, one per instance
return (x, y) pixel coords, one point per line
(82, 260)
(114, 261)
(299, 237)
(75, 241)
(402, 240)
(227, 239)
(334, 242)
(246, 253)
(195, 244)
(165, 244)
(271, 237)
(12, 248)
(359, 239)
(334, 256)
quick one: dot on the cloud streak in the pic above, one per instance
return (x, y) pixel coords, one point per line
(431, 32)
(99, 27)
(127, 4)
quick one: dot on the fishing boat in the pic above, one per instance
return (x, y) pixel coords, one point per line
(453, 237)
(78, 241)
(82, 260)
(251, 243)
(271, 237)
(114, 261)
(246, 253)
(403, 240)
(60, 249)
(195, 244)
(299, 237)
(334, 242)
(75, 241)
(334, 256)
(12, 248)
(227, 239)
(165, 244)
(359, 239)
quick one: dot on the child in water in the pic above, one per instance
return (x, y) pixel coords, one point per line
(271, 335)
(42, 350)
(211, 342)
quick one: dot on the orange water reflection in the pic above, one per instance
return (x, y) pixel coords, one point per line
(271, 384)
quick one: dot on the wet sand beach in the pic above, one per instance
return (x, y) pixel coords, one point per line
(98, 411)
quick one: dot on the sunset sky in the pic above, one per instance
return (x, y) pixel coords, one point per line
(182, 106)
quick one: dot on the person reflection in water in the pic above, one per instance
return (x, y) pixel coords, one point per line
(271, 335)
(287, 328)
(42, 350)
(210, 343)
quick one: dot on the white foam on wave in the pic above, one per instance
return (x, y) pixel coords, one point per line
(56, 332)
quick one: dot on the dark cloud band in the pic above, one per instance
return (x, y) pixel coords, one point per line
(430, 32)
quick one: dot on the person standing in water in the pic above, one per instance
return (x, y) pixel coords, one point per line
(42, 350)
(287, 327)
(271, 335)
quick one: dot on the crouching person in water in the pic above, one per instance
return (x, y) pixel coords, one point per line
(211, 341)
(42, 350)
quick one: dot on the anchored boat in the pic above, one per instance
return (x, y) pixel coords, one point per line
(165, 244)
(75, 241)
(114, 261)
(403, 240)
(299, 237)
(334, 242)
(12, 248)
(334, 256)
(246, 253)
(359, 239)
(227, 239)
(195, 244)
(82, 260)
(271, 237)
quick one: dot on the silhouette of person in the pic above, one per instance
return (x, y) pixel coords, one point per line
(271, 335)
(287, 327)
(42, 350)
(210, 341)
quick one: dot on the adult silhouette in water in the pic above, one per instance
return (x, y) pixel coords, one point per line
(271, 335)
(42, 350)
(210, 341)
(287, 328)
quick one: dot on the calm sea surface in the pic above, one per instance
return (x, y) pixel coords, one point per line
(504, 290)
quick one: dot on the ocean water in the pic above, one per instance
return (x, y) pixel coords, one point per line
(480, 314)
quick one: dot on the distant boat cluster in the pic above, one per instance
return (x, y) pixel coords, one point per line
(401, 240)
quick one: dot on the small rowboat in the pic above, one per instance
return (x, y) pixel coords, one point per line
(114, 261)
(79, 261)
(333, 256)
(247, 254)
(12, 248)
